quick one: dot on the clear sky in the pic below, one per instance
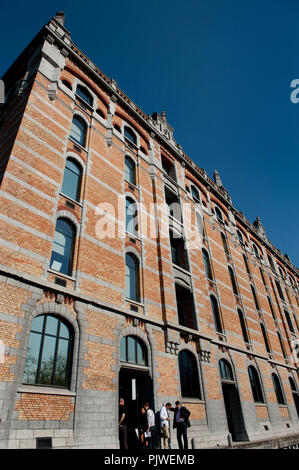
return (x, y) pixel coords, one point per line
(222, 71)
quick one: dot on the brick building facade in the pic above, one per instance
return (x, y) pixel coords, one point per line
(193, 302)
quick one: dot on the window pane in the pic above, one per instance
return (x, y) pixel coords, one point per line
(140, 355)
(62, 247)
(131, 349)
(71, 180)
(123, 349)
(51, 325)
(47, 362)
(38, 323)
(31, 364)
(129, 134)
(78, 131)
(64, 331)
(60, 377)
(130, 170)
(84, 94)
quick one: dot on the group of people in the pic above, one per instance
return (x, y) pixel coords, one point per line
(153, 427)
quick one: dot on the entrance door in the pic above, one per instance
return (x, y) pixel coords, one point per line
(135, 387)
(235, 419)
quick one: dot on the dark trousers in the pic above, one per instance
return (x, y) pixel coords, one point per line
(152, 439)
(123, 436)
(182, 431)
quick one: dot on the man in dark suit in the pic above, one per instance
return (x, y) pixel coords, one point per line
(180, 423)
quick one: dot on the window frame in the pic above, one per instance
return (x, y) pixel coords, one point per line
(43, 334)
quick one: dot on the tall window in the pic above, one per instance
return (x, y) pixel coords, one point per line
(132, 278)
(78, 130)
(63, 245)
(72, 179)
(130, 170)
(185, 307)
(84, 94)
(255, 385)
(256, 302)
(256, 251)
(265, 338)
(216, 314)
(271, 263)
(240, 237)
(271, 307)
(218, 214)
(189, 375)
(279, 289)
(278, 390)
(133, 350)
(130, 135)
(195, 193)
(207, 264)
(168, 167)
(287, 315)
(225, 245)
(233, 280)
(246, 262)
(48, 360)
(226, 372)
(131, 216)
(243, 326)
(263, 277)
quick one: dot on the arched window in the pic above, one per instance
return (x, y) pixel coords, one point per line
(189, 375)
(133, 350)
(207, 264)
(84, 94)
(240, 237)
(255, 385)
(100, 113)
(48, 360)
(78, 130)
(291, 327)
(132, 278)
(278, 390)
(292, 384)
(256, 251)
(246, 264)
(263, 276)
(265, 338)
(281, 272)
(130, 170)
(256, 302)
(279, 290)
(72, 179)
(218, 214)
(130, 135)
(131, 216)
(63, 245)
(233, 280)
(271, 307)
(243, 326)
(271, 263)
(226, 372)
(195, 193)
(216, 314)
(225, 245)
(282, 345)
(67, 84)
(200, 226)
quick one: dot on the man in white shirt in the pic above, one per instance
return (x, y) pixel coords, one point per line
(164, 424)
(151, 427)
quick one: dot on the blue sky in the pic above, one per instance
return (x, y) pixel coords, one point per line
(222, 71)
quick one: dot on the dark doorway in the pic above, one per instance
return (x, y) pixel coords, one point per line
(135, 387)
(235, 419)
